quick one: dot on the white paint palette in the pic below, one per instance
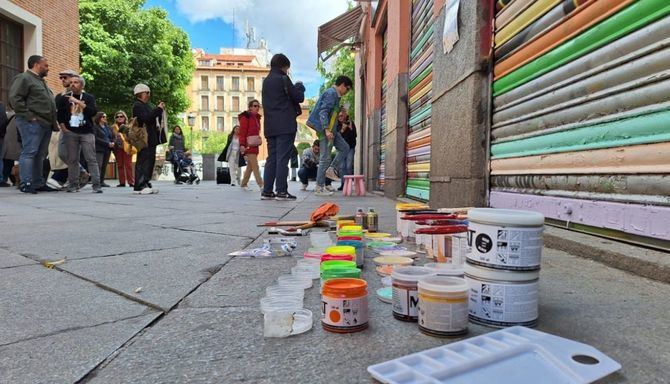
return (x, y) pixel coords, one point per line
(515, 355)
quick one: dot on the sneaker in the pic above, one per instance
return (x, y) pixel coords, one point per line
(154, 191)
(268, 196)
(27, 188)
(284, 196)
(331, 173)
(330, 188)
(53, 184)
(321, 191)
(304, 187)
(104, 185)
(97, 190)
(145, 191)
(121, 185)
(46, 188)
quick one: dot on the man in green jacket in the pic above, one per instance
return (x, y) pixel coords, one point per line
(33, 103)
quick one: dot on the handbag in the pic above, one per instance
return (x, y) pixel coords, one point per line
(137, 135)
(254, 141)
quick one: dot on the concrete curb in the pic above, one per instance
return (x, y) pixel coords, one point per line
(640, 261)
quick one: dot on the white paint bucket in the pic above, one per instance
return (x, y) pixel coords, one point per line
(502, 298)
(443, 306)
(505, 239)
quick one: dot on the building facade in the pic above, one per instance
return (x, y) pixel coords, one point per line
(547, 106)
(30, 27)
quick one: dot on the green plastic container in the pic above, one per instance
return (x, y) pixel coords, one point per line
(335, 264)
(336, 273)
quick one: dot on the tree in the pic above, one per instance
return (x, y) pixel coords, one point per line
(343, 64)
(122, 44)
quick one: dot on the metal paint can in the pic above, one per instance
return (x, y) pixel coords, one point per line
(505, 239)
(501, 298)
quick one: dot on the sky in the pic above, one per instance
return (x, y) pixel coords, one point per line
(289, 26)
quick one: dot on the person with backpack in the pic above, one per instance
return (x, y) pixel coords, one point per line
(281, 99)
(323, 119)
(148, 118)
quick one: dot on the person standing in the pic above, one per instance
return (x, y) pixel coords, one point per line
(250, 140)
(76, 112)
(148, 118)
(177, 148)
(282, 101)
(233, 155)
(33, 102)
(123, 151)
(347, 129)
(104, 144)
(323, 120)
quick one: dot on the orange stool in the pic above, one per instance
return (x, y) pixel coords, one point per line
(352, 182)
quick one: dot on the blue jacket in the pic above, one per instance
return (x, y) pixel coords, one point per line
(281, 100)
(319, 118)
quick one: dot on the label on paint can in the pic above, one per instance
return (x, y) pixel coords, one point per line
(512, 248)
(344, 313)
(405, 302)
(503, 304)
(444, 315)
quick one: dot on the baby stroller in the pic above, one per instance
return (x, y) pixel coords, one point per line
(185, 168)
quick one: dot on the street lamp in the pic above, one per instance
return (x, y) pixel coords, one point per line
(191, 124)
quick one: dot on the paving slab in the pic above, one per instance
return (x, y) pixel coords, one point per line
(165, 277)
(36, 301)
(9, 259)
(67, 356)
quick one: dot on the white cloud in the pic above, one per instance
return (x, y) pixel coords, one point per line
(289, 26)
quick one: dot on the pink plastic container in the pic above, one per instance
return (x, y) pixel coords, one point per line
(327, 257)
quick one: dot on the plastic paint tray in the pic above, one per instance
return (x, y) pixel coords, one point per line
(515, 355)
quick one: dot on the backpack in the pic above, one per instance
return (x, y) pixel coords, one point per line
(137, 135)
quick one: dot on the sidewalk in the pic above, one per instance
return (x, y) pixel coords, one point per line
(196, 317)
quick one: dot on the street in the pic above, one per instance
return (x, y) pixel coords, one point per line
(147, 294)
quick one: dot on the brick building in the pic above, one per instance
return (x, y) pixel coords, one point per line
(31, 27)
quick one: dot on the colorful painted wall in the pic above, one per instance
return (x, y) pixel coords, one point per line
(581, 120)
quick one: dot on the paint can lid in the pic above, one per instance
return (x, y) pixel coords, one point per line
(341, 250)
(411, 273)
(393, 260)
(443, 284)
(446, 269)
(476, 271)
(344, 285)
(506, 217)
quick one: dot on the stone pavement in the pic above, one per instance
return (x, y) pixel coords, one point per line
(196, 317)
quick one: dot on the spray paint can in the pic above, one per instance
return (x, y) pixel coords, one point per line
(373, 220)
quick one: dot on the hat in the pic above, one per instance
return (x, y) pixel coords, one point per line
(139, 88)
(68, 72)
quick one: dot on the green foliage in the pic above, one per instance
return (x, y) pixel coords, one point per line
(122, 45)
(343, 63)
(204, 142)
(302, 146)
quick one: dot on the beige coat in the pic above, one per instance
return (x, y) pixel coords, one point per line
(54, 156)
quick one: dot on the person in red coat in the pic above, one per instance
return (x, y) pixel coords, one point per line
(250, 140)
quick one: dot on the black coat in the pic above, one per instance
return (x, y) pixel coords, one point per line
(222, 157)
(146, 117)
(280, 98)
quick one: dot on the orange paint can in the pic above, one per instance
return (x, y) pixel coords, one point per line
(344, 305)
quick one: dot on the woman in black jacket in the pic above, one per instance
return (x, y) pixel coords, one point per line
(147, 117)
(104, 143)
(177, 147)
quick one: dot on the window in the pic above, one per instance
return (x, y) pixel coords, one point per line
(205, 123)
(219, 103)
(251, 84)
(249, 98)
(219, 123)
(236, 104)
(11, 55)
(236, 121)
(219, 83)
(236, 83)
(204, 83)
(204, 103)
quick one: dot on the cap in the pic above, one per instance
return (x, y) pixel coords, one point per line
(68, 72)
(139, 88)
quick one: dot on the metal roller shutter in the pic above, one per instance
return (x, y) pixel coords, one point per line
(581, 119)
(383, 125)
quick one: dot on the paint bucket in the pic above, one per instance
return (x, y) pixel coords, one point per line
(405, 291)
(344, 305)
(340, 273)
(446, 269)
(443, 306)
(401, 208)
(341, 250)
(435, 242)
(501, 298)
(359, 250)
(330, 264)
(505, 239)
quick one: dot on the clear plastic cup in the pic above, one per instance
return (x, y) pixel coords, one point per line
(306, 271)
(294, 281)
(284, 291)
(283, 323)
(269, 304)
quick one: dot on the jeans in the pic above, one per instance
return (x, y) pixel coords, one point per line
(276, 166)
(324, 159)
(103, 159)
(304, 174)
(35, 145)
(234, 167)
(84, 143)
(348, 164)
(144, 168)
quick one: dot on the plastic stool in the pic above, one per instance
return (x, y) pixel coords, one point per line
(352, 182)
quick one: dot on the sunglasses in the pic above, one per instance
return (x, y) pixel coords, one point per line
(63, 77)
(119, 116)
(255, 106)
(104, 116)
